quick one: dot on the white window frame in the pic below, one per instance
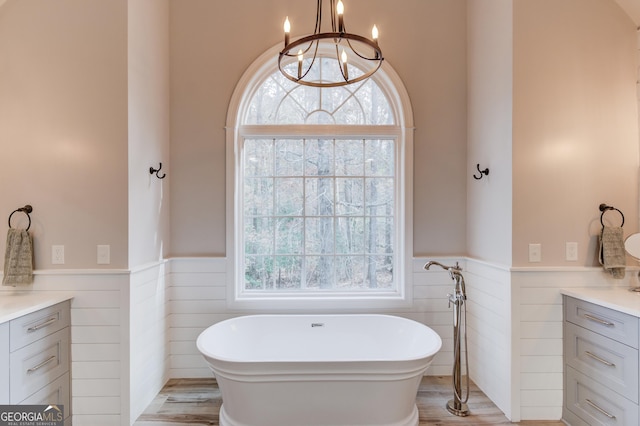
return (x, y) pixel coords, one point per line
(390, 83)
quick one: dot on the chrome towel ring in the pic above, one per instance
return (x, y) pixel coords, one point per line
(26, 210)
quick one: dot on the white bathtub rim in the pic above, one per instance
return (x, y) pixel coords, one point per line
(203, 348)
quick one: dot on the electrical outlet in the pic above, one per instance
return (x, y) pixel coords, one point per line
(535, 252)
(57, 255)
(104, 254)
(571, 251)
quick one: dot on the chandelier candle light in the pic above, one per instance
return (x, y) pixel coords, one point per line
(306, 51)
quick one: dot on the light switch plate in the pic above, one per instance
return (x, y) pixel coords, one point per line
(57, 255)
(104, 254)
(535, 252)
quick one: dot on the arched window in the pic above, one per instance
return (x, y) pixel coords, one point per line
(319, 191)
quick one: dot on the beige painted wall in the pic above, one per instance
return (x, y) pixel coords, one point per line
(212, 43)
(63, 125)
(148, 64)
(575, 128)
(490, 94)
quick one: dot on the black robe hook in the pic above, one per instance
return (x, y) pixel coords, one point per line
(483, 173)
(157, 172)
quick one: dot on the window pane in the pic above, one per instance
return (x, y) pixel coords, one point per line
(319, 235)
(258, 273)
(349, 158)
(349, 235)
(306, 98)
(350, 112)
(350, 272)
(379, 196)
(258, 157)
(349, 196)
(288, 272)
(378, 234)
(375, 104)
(379, 272)
(258, 235)
(319, 197)
(320, 270)
(258, 196)
(319, 157)
(289, 157)
(379, 158)
(289, 196)
(288, 235)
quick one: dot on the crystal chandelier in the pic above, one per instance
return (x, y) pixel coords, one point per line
(339, 42)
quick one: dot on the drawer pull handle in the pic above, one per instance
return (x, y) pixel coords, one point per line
(597, 358)
(598, 320)
(42, 364)
(611, 416)
(42, 324)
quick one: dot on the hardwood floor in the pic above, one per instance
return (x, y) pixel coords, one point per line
(196, 402)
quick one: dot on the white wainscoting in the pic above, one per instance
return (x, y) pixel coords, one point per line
(149, 343)
(537, 349)
(489, 331)
(198, 299)
(99, 341)
(132, 330)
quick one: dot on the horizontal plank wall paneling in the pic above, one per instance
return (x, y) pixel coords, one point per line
(198, 299)
(149, 343)
(489, 332)
(538, 333)
(99, 386)
(132, 330)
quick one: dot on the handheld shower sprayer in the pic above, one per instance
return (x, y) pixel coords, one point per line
(457, 405)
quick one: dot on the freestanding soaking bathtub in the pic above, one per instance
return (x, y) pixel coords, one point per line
(319, 370)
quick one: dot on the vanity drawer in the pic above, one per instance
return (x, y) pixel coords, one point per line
(55, 393)
(607, 322)
(36, 325)
(611, 363)
(595, 405)
(38, 364)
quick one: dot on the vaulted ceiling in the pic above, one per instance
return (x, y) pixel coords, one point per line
(632, 7)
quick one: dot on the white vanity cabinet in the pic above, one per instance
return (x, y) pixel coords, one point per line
(4, 363)
(601, 365)
(35, 359)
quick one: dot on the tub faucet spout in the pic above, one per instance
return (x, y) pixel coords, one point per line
(455, 272)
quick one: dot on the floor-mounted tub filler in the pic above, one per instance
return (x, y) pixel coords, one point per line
(312, 370)
(458, 405)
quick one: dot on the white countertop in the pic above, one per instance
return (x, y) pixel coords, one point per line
(618, 298)
(16, 304)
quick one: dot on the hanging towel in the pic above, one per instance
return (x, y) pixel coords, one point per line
(18, 259)
(612, 253)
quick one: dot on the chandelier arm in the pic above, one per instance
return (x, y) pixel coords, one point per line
(313, 60)
(376, 50)
(341, 66)
(336, 36)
